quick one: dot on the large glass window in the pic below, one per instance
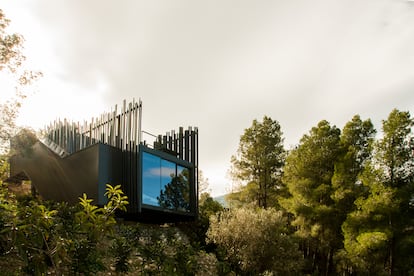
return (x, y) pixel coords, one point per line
(165, 184)
(151, 178)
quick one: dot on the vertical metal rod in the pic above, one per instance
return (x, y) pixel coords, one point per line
(187, 145)
(181, 144)
(139, 122)
(114, 128)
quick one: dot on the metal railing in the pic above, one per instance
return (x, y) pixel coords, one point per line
(117, 129)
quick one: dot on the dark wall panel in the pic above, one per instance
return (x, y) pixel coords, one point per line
(61, 179)
(110, 170)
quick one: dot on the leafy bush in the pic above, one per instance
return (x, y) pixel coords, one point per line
(54, 238)
(41, 237)
(255, 241)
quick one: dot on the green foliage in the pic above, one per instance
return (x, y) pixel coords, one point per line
(94, 224)
(208, 206)
(11, 45)
(11, 63)
(365, 237)
(122, 248)
(197, 230)
(259, 161)
(247, 194)
(41, 238)
(33, 233)
(308, 173)
(176, 194)
(255, 241)
(356, 149)
(8, 211)
(97, 220)
(378, 234)
(4, 168)
(155, 250)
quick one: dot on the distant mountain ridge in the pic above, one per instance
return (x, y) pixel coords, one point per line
(222, 200)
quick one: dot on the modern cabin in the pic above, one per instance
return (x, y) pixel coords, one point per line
(160, 179)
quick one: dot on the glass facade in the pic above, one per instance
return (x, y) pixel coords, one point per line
(165, 184)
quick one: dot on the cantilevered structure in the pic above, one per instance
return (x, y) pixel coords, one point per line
(160, 180)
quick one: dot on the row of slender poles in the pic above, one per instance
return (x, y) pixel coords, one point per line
(117, 129)
(121, 128)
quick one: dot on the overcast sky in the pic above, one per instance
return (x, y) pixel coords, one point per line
(218, 65)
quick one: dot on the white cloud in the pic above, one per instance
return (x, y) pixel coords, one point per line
(219, 65)
(165, 172)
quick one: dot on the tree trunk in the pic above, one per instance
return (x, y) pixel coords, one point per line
(329, 263)
(391, 258)
(265, 190)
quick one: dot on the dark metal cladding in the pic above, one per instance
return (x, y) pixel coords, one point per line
(67, 178)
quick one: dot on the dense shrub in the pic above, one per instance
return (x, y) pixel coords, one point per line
(255, 241)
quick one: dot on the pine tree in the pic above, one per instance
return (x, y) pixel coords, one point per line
(379, 233)
(259, 162)
(308, 172)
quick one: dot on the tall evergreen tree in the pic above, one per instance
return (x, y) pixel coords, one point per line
(356, 142)
(259, 161)
(308, 172)
(379, 233)
(396, 158)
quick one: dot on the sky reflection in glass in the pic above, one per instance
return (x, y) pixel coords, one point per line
(165, 184)
(151, 178)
